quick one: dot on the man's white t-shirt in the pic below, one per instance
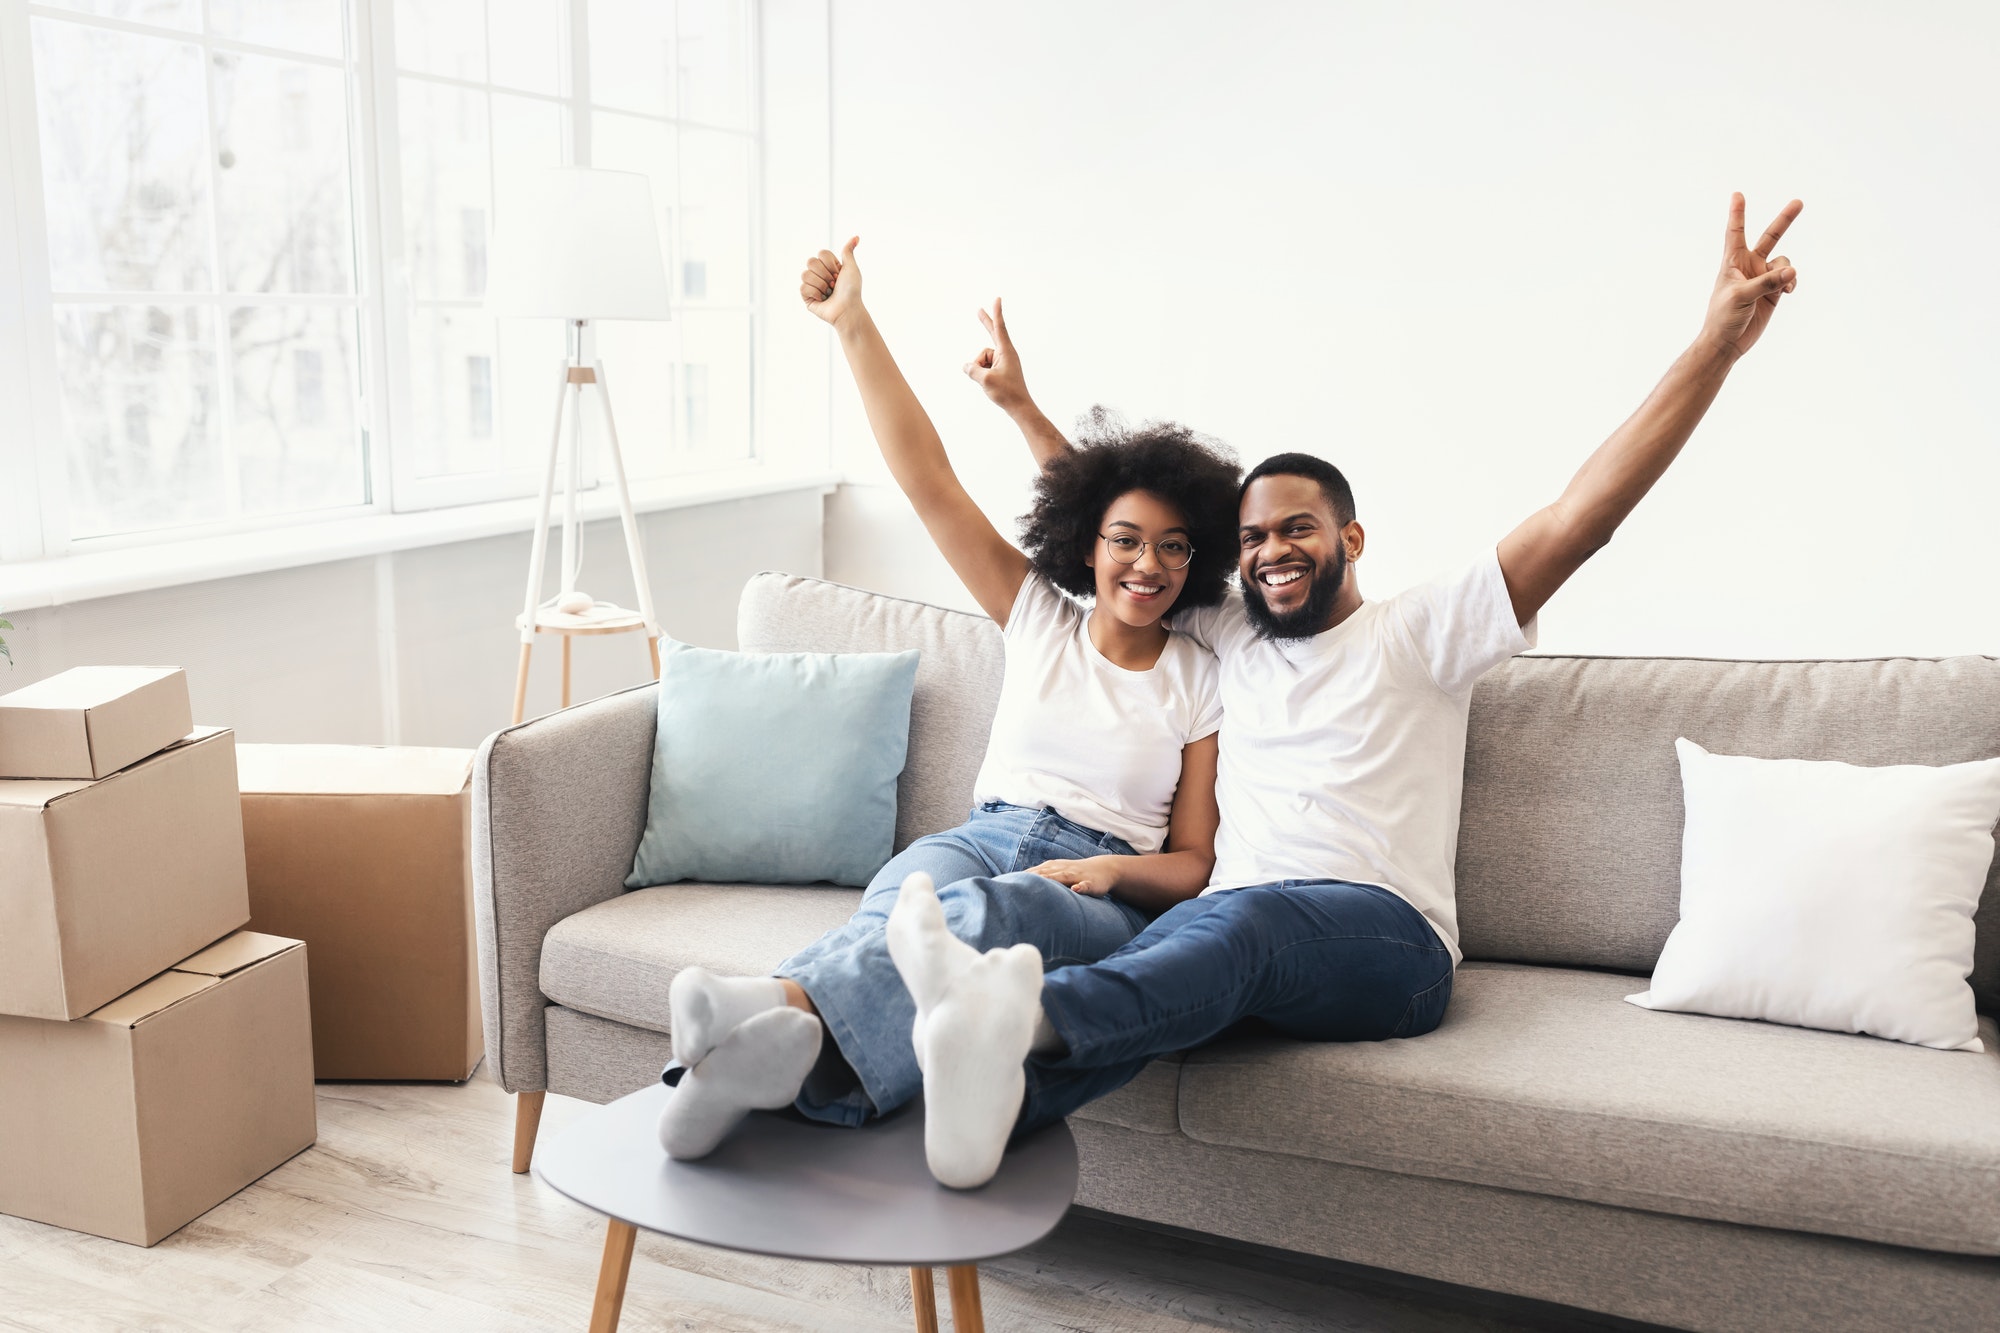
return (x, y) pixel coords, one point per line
(1080, 735)
(1343, 755)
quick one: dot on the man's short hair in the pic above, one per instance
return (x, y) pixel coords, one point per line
(1339, 495)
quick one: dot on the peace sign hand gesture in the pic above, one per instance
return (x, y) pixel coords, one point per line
(997, 369)
(1751, 281)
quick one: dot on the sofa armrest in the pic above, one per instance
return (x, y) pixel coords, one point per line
(558, 806)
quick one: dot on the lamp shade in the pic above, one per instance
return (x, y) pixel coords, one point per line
(579, 244)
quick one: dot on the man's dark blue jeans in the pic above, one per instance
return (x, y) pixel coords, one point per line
(1321, 960)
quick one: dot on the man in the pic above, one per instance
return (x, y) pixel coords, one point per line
(1330, 913)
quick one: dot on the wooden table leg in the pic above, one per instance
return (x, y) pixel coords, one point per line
(618, 1238)
(653, 647)
(527, 1119)
(923, 1300)
(565, 672)
(965, 1314)
(521, 684)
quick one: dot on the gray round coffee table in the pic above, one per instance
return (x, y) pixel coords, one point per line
(782, 1185)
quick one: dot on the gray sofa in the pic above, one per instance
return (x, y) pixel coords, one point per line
(1548, 1140)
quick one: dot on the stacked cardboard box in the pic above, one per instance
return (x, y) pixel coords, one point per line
(365, 853)
(154, 1057)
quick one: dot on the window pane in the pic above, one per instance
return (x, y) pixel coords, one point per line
(714, 385)
(445, 37)
(632, 55)
(527, 44)
(715, 62)
(298, 445)
(451, 354)
(140, 422)
(527, 376)
(715, 217)
(483, 391)
(281, 146)
(445, 189)
(313, 26)
(639, 365)
(166, 13)
(124, 170)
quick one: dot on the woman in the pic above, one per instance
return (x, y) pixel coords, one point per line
(1096, 802)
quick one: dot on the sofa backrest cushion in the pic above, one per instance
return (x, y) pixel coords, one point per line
(958, 678)
(1569, 842)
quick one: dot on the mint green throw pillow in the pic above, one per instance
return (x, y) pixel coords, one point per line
(775, 768)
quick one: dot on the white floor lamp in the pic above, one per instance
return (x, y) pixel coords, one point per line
(583, 245)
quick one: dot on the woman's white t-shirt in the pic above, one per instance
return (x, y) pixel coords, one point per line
(1080, 735)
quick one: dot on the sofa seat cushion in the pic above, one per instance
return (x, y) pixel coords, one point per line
(616, 959)
(1543, 1080)
(1150, 1103)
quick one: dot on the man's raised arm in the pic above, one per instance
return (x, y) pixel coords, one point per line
(997, 370)
(1539, 556)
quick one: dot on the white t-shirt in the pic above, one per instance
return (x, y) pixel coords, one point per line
(1343, 755)
(1080, 735)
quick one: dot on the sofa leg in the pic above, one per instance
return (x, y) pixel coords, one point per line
(527, 1119)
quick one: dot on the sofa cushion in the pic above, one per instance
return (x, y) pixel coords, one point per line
(1569, 842)
(1544, 1080)
(616, 959)
(958, 678)
(1150, 1103)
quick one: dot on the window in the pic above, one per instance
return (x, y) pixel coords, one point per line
(200, 231)
(265, 227)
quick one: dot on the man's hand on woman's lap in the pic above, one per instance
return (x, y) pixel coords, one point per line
(1096, 876)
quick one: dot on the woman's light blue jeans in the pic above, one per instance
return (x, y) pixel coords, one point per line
(989, 902)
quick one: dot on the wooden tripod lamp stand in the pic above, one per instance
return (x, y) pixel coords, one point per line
(583, 245)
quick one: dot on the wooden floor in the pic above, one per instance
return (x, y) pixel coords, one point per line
(405, 1216)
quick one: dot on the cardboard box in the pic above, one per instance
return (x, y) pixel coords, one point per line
(139, 1118)
(89, 722)
(104, 884)
(365, 853)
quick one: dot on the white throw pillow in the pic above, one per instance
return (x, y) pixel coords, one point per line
(1827, 895)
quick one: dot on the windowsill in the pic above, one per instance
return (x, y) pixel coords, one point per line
(29, 585)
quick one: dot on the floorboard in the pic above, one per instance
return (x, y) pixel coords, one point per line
(405, 1216)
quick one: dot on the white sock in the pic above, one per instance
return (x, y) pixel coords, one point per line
(975, 1020)
(759, 1067)
(706, 1009)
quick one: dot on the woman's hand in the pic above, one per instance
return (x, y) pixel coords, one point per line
(831, 286)
(997, 369)
(1094, 875)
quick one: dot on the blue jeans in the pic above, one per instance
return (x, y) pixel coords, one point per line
(988, 902)
(1321, 960)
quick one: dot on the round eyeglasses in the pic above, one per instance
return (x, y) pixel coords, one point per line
(1126, 549)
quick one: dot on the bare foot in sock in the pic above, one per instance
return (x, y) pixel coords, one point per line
(758, 1067)
(706, 1008)
(976, 1017)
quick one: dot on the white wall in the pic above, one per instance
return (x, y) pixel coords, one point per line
(1450, 247)
(418, 647)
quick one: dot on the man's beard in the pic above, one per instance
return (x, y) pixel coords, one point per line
(1312, 614)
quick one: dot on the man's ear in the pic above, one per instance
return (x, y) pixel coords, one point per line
(1353, 538)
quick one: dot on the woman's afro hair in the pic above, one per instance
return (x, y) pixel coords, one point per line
(1194, 474)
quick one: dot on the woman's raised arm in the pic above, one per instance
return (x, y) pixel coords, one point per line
(990, 566)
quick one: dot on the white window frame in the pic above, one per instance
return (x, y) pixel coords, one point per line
(34, 490)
